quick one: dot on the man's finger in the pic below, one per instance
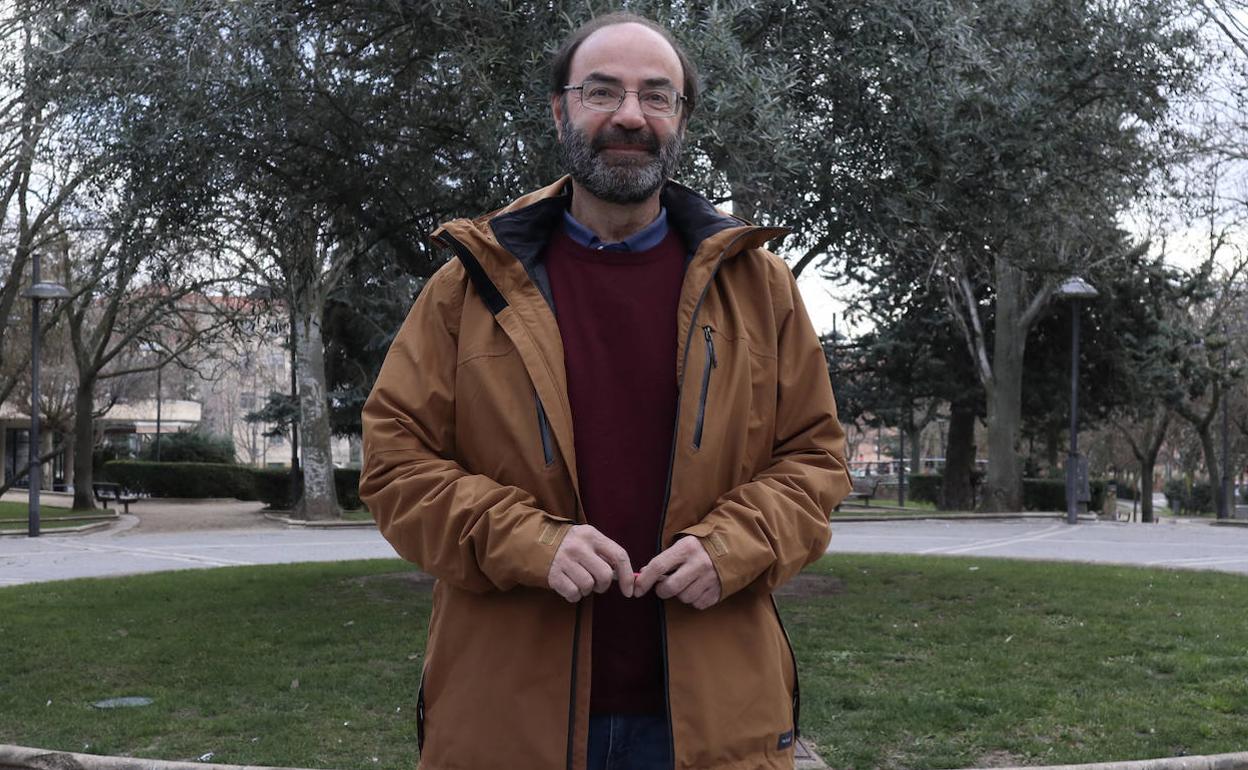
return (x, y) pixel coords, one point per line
(581, 577)
(617, 558)
(708, 598)
(600, 569)
(694, 590)
(563, 585)
(660, 565)
(678, 581)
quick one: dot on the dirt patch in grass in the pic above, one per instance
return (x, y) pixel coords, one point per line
(807, 585)
(1000, 759)
(421, 582)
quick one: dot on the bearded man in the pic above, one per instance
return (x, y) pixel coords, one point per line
(611, 374)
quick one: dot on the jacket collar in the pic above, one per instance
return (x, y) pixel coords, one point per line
(523, 227)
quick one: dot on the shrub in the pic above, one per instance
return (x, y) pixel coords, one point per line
(191, 447)
(925, 487)
(1126, 491)
(183, 479)
(1196, 500)
(273, 487)
(1038, 494)
(1050, 494)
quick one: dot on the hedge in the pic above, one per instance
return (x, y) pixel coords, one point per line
(198, 480)
(1038, 494)
(183, 479)
(273, 487)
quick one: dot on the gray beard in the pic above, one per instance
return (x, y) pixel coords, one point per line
(627, 183)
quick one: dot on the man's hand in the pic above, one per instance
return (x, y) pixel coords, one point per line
(684, 571)
(586, 562)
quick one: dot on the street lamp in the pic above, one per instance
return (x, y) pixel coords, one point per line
(1074, 289)
(38, 292)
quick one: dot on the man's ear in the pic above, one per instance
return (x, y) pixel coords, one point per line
(558, 104)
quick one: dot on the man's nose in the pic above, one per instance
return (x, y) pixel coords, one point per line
(629, 115)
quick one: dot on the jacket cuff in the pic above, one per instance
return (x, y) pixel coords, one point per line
(737, 560)
(532, 546)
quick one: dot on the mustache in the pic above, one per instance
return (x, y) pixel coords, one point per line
(641, 139)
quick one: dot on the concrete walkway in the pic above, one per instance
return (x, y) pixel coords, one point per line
(168, 534)
(1180, 544)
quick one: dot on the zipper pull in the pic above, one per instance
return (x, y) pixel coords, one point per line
(710, 345)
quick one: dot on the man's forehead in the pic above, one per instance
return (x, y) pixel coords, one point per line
(626, 52)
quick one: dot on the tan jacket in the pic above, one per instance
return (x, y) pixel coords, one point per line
(470, 471)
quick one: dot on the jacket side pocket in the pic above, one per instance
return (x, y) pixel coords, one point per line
(797, 689)
(420, 714)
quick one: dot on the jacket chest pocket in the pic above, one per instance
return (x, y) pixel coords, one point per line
(710, 363)
(543, 430)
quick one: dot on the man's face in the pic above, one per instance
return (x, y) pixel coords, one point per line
(623, 156)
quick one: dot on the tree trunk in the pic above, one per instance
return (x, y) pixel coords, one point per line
(957, 492)
(1052, 446)
(320, 498)
(1211, 463)
(84, 443)
(1003, 490)
(1146, 489)
(915, 436)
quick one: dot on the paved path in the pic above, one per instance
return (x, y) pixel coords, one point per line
(59, 557)
(149, 545)
(1185, 545)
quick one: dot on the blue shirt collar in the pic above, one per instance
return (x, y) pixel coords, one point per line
(643, 240)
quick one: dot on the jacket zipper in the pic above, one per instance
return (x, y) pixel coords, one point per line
(543, 426)
(711, 363)
(667, 493)
(797, 689)
(576, 644)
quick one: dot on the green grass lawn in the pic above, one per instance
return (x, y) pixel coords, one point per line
(907, 662)
(887, 506)
(14, 516)
(12, 510)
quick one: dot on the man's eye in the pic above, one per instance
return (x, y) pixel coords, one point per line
(601, 92)
(656, 98)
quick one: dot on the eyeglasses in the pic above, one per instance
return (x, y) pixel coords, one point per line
(656, 101)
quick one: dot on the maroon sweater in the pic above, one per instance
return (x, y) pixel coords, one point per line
(617, 317)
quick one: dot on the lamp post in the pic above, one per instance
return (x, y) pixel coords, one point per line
(38, 292)
(1074, 289)
(1226, 507)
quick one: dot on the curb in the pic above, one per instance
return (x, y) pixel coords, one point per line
(23, 758)
(103, 523)
(959, 517)
(1237, 761)
(315, 525)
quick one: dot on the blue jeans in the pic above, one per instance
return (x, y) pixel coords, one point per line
(629, 742)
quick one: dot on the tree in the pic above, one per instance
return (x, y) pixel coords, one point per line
(1017, 131)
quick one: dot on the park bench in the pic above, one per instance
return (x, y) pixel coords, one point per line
(865, 488)
(106, 492)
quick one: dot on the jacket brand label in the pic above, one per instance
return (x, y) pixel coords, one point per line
(717, 544)
(548, 533)
(786, 741)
